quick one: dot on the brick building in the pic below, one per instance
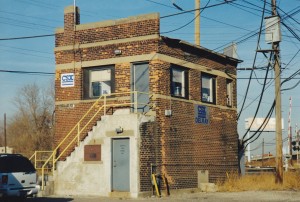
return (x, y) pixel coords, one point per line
(166, 106)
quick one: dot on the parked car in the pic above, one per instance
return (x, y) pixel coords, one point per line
(18, 177)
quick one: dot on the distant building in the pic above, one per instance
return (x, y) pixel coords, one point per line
(171, 108)
(9, 150)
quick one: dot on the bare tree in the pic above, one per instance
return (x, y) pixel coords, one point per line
(31, 128)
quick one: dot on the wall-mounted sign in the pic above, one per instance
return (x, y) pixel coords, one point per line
(201, 114)
(67, 80)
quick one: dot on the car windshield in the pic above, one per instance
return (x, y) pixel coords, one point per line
(9, 164)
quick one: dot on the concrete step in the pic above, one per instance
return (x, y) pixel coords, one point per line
(48, 189)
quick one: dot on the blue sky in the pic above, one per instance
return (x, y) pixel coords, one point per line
(220, 26)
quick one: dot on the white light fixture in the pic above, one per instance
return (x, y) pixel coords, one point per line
(118, 52)
(119, 130)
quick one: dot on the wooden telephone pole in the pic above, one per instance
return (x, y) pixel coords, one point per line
(279, 164)
(5, 143)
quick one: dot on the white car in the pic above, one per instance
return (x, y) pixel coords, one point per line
(18, 177)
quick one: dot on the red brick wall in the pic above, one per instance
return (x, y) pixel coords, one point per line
(177, 145)
(107, 51)
(180, 147)
(66, 117)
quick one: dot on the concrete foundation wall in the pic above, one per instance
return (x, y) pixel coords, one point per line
(78, 177)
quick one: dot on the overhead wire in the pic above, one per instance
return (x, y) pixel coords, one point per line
(259, 103)
(28, 16)
(188, 22)
(260, 129)
(22, 53)
(188, 11)
(24, 22)
(288, 78)
(249, 83)
(27, 72)
(26, 37)
(258, 132)
(255, 56)
(253, 33)
(244, 8)
(25, 49)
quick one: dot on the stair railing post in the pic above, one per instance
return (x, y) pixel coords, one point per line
(78, 133)
(35, 154)
(104, 105)
(135, 101)
(43, 180)
(53, 161)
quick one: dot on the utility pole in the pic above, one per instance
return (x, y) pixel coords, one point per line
(248, 147)
(197, 22)
(262, 152)
(297, 139)
(5, 133)
(279, 164)
(290, 152)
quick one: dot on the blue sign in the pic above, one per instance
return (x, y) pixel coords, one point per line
(67, 80)
(201, 114)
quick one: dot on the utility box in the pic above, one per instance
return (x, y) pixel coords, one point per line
(203, 177)
(273, 33)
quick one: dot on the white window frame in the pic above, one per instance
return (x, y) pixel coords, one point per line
(179, 82)
(93, 75)
(208, 88)
(103, 79)
(229, 92)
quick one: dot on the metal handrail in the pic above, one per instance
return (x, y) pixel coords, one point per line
(77, 126)
(36, 159)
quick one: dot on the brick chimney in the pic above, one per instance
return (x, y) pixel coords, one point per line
(70, 23)
(69, 17)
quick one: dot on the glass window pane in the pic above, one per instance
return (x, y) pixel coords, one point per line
(229, 93)
(101, 75)
(177, 75)
(207, 91)
(178, 82)
(96, 89)
(106, 87)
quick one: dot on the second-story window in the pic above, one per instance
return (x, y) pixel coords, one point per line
(179, 82)
(98, 81)
(229, 92)
(208, 89)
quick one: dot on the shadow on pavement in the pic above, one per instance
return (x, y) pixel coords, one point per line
(39, 199)
(46, 199)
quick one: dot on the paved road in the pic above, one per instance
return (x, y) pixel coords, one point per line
(249, 196)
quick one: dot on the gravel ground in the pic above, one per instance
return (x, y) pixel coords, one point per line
(201, 196)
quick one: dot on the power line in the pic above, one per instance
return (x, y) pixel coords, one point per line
(26, 37)
(24, 53)
(188, 11)
(25, 49)
(28, 16)
(248, 86)
(246, 78)
(188, 22)
(159, 3)
(24, 22)
(27, 72)
(254, 33)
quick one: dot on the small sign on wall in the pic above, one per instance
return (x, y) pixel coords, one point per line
(92, 153)
(67, 80)
(201, 114)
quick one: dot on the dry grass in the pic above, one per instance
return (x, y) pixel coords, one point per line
(262, 182)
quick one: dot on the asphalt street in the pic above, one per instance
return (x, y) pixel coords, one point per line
(276, 196)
